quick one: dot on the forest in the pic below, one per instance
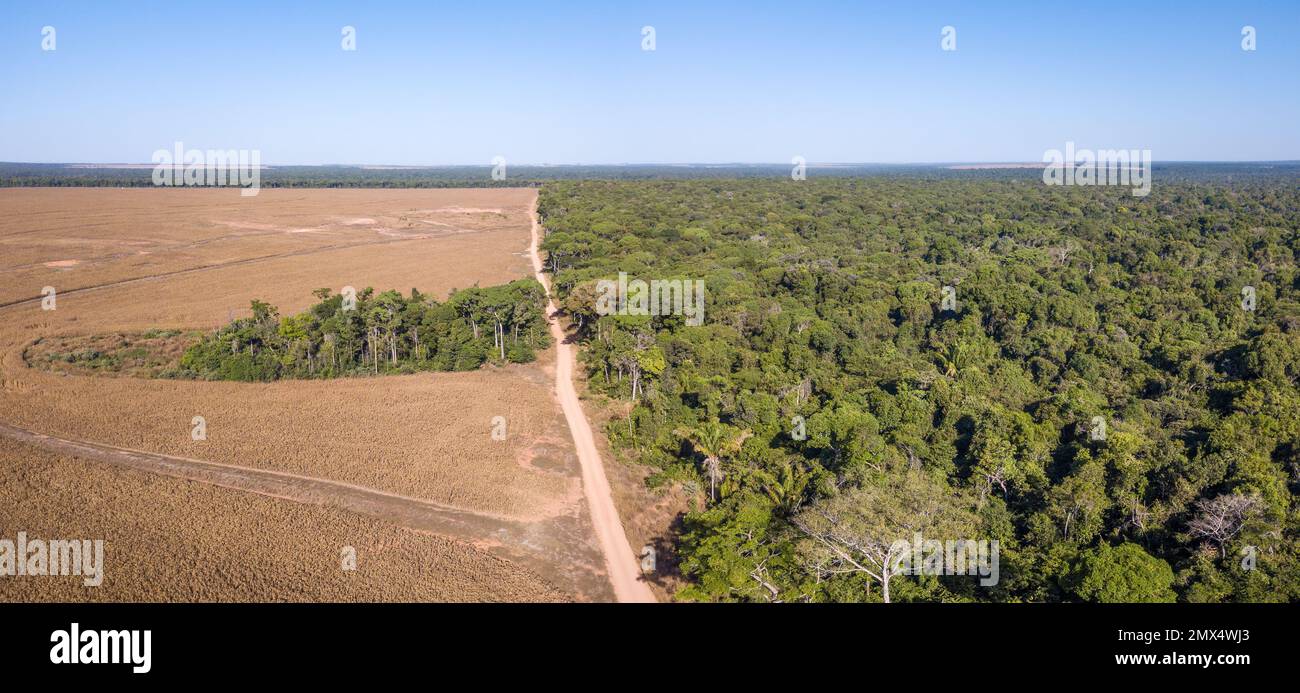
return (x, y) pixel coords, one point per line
(1104, 385)
(369, 333)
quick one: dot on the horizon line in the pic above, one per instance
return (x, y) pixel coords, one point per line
(722, 164)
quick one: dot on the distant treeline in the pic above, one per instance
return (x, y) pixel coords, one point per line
(63, 175)
(384, 333)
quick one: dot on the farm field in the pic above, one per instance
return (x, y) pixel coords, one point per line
(125, 261)
(76, 238)
(172, 540)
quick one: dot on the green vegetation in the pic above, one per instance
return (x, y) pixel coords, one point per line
(1102, 399)
(151, 354)
(383, 333)
(1122, 574)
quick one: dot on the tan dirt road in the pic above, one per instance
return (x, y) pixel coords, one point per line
(620, 562)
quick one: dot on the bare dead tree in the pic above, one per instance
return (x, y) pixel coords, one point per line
(1062, 252)
(859, 530)
(759, 574)
(1222, 518)
(848, 551)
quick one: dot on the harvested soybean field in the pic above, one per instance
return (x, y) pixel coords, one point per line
(168, 540)
(399, 453)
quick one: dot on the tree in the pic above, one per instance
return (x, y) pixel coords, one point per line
(1221, 518)
(1006, 451)
(849, 436)
(1079, 502)
(580, 303)
(859, 529)
(714, 441)
(786, 488)
(1123, 574)
(736, 552)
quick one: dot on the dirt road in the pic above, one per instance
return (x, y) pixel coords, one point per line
(620, 561)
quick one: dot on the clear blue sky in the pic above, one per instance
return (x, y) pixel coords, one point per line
(457, 83)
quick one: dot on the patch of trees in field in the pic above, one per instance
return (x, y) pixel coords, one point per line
(377, 333)
(1106, 385)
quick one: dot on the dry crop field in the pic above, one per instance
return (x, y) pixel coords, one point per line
(129, 261)
(173, 540)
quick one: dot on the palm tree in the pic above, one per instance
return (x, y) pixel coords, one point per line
(952, 359)
(714, 441)
(787, 488)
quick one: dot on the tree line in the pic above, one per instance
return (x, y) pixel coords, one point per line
(369, 333)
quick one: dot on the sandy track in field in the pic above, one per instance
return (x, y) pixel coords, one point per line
(620, 561)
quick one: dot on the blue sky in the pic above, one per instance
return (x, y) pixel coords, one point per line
(435, 83)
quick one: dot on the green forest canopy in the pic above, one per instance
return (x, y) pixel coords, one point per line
(1102, 399)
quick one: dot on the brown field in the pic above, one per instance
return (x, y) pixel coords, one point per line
(172, 540)
(426, 435)
(72, 238)
(133, 260)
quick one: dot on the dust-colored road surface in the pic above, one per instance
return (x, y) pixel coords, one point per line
(620, 561)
